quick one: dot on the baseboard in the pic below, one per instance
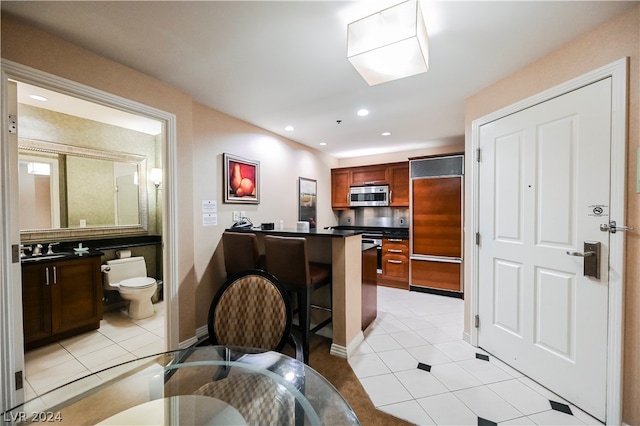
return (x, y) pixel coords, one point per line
(188, 343)
(466, 337)
(344, 352)
(202, 332)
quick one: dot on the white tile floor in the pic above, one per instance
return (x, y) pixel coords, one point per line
(451, 386)
(119, 339)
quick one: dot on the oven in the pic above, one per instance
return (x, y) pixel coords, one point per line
(375, 239)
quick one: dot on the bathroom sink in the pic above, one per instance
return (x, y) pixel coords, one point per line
(31, 259)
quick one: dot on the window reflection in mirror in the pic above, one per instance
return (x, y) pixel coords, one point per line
(63, 186)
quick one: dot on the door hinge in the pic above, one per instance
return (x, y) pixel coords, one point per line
(477, 321)
(478, 155)
(19, 380)
(12, 124)
(477, 238)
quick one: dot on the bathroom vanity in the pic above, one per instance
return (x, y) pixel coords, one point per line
(61, 296)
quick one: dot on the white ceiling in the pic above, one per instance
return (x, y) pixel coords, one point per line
(279, 63)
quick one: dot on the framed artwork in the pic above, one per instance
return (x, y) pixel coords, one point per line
(307, 201)
(241, 180)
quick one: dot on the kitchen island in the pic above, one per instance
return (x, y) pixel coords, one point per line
(343, 250)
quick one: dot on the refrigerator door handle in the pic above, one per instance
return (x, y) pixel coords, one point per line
(435, 258)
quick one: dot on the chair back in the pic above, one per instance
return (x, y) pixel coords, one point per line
(240, 252)
(251, 309)
(287, 258)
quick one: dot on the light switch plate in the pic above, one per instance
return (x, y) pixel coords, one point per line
(236, 216)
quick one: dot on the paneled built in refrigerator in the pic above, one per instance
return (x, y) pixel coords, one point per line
(435, 231)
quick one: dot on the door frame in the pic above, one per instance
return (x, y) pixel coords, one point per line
(11, 316)
(618, 72)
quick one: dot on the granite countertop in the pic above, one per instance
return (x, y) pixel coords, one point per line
(327, 233)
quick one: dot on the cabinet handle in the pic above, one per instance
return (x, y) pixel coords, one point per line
(394, 240)
(55, 275)
(394, 251)
(394, 261)
(46, 275)
(390, 197)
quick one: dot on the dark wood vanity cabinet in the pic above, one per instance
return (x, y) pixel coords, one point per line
(60, 298)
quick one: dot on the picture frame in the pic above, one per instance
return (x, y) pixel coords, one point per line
(308, 201)
(241, 179)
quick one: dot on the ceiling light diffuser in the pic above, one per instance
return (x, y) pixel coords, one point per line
(363, 112)
(289, 128)
(389, 44)
(38, 98)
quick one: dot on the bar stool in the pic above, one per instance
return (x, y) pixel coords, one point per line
(241, 252)
(288, 260)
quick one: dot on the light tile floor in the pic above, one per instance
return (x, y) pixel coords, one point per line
(119, 339)
(414, 365)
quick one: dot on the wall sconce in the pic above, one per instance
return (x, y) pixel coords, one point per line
(155, 176)
(389, 44)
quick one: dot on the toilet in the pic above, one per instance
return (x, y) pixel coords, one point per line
(129, 277)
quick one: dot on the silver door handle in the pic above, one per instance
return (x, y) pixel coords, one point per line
(580, 254)
(591, 255)
(612, 227)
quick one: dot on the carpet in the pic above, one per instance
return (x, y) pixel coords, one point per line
(337, 371)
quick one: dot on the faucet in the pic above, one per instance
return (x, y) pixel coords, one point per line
(50, 248)
(23, 248)
(37, 250)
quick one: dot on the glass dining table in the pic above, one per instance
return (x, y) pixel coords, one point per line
(207, 385)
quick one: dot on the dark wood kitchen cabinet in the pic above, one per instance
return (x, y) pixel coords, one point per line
(395, 263)
(369, 175)
(340, 183)
(398, 177)
(60, 298)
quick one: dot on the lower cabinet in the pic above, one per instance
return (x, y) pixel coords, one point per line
(60, 299)
(395, 263)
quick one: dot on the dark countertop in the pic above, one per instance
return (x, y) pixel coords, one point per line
(386, 232)
(327, 233)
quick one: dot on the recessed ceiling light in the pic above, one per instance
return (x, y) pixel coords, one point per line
(38, 98)
(386, 133)
(323, 143)
(289, 128)
(363, 112)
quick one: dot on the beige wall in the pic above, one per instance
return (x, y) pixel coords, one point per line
(281, 163)
(612, 41)
(28, 46)
(203, 135)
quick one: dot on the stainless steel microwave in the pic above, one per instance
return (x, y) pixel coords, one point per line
(369, 196)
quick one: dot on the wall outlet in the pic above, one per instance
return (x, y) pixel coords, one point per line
(236, 216)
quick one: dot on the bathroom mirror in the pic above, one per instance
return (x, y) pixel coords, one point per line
(71, 191)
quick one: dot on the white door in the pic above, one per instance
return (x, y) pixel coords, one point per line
(544, 191)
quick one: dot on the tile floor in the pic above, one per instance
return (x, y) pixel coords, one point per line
(119, 339)
(414, 365)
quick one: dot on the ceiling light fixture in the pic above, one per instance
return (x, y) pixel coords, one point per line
(386, 133)
(389, 44)
(323, 144)
(289, 128)
(363, 112)
(38, 98)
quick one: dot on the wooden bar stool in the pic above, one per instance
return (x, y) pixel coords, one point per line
(241, 252)
(288, 260)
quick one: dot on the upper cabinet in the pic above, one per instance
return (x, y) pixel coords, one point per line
(340, 182)
(396, 175)
(369, 175)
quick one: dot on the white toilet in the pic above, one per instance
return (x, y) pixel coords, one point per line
(129, 277)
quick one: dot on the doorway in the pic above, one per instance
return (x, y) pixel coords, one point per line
(542, 163)
(10, 392)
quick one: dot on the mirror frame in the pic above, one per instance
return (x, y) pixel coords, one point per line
(31, 235)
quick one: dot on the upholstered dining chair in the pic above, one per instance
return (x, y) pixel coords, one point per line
(241, 252)
(287, 259)
(253, 310)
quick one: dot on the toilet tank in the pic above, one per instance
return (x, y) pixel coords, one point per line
(122, 269)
